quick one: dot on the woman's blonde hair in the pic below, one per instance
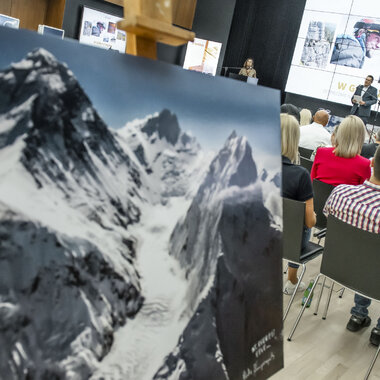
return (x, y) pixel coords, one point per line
(290, 136)
(349, 137)
(306, 116)
(248, 59)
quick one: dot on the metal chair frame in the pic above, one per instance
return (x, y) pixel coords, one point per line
(294, 217)
(343, 241)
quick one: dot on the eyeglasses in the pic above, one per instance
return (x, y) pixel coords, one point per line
(324, 109)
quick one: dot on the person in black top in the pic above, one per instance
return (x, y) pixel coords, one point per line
(368, 150)
(296, 185)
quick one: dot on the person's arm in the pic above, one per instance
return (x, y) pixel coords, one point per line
(373, 98)
(254, 74)
(242, 72)
(313, 173)
(366, 172)
(310, 215)
(353, 101)
(326, 208)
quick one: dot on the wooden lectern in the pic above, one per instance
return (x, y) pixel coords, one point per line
(148, 22)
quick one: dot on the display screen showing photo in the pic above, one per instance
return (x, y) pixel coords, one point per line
(202, 56)
(11, 22)
(338, 46)
(50, 31)
(100, 29)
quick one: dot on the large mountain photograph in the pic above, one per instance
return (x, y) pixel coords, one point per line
(140, 218)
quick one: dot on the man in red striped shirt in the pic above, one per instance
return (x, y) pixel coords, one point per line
(360, 207)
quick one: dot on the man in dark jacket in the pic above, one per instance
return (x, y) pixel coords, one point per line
(368, 95)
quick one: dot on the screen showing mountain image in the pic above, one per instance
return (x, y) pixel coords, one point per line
(202, 56)
(140, 232)
(338, 46)
(99, 29)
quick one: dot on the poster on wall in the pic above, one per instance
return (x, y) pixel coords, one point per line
(100, 29)
(137, 230)
(10, 22)
(50, 31)
(338, 46)
(202, 56)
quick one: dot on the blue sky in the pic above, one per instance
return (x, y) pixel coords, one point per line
(123, 88)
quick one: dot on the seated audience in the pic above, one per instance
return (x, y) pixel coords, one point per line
(305, 117)
(360, 207)
(291, 109)
(315, 135)
(333, 141)
(368, 150)
(333, 135)
(296, 185)
(342, 164)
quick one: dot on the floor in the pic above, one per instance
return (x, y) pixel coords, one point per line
(324, 349)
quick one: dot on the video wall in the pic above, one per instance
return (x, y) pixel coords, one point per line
(338, 46)
(100, 29)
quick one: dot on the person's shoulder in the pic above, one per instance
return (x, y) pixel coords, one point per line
(362, 161)
(325, 151)
(342, 190)
(300, 172)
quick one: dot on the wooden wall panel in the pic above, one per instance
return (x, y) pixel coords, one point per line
(5, 7)
(117, 2)
(30, 13)
(54, 13)
(183, 13)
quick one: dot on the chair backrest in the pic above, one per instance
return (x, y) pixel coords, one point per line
(293, 222)
(352, 257)
(304, 152)
(321, 191)
(306, 163)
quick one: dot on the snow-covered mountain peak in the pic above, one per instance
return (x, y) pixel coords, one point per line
(172, 159)
(165, 125)
(37, 58)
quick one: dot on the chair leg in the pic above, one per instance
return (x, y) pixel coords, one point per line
(372, 363)
(342, 292)
(320, 296)
(303, 308)
(328, 300)
(294, 293)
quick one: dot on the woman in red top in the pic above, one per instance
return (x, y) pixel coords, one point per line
(342, 164)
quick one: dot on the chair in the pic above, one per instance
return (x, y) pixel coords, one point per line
(321, 192)
(304, 152)
(294, 219)
(306, 163)
(343, 262)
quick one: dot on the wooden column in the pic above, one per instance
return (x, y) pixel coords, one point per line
(148, 22)
(54, 13)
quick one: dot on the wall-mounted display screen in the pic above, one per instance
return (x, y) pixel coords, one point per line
(99, 29)
(11, 22)
(50, 31)
(202, 56)
(338, 46)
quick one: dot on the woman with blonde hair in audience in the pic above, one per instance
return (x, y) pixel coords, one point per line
(306, 117)
(342, 164)
(296, 185)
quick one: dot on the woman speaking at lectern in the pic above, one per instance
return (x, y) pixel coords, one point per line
(247, 69)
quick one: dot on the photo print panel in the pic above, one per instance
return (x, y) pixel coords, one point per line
(140, 218)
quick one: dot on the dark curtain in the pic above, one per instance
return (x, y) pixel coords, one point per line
(267, 31)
